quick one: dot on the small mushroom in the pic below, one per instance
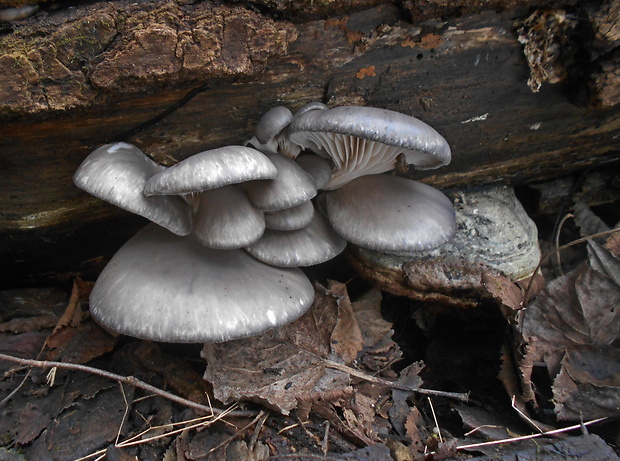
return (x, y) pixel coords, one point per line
(289, 219)
(117, 173)
(212, 169)
(314, 244)
(225, 219)
(292, 187)
(267, 134)
(391, 214)
(162, 287)
(367, 140)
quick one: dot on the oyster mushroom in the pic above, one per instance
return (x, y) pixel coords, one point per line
(313, 244)
(162, 287)
(292, 187)
(391, 214)
(224, 217)
(495, 240)
(212, 169)
(289, 219)
(117, 173)
(367, 140)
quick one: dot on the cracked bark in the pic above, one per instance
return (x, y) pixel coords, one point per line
(72, 80)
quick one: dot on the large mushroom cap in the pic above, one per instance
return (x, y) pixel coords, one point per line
(166, 288)
(117, 174)
(211, 169)
(367, 140)
(392, 214)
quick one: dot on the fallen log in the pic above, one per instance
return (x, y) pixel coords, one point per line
(176, 79)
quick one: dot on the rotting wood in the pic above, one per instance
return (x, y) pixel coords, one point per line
(466, 76)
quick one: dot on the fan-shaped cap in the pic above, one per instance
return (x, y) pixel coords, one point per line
(167, 288)
(398, 215)
(317, 167)
(367, 140)
(211, 169)
(290, 218)
(314, 244)
(225, 219)
(290, 188)
(117, 174)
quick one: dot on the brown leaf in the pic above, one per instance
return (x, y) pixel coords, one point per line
(79, 345)
(575, 310)
(263, 369)
(285, 366)
(416, 430)
(346, 338)
(400, 409)
(588, 385)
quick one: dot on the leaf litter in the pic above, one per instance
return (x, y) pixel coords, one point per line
(330, 380)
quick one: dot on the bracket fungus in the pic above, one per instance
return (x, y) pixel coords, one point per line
(245, 219)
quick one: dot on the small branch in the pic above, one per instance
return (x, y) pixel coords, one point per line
(394, 385)
(130, 380)
(531, 436)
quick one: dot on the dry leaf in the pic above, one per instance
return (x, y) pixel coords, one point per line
(346, 338)
(284, 366)
(588, 385)
(416, 431)
(576, 310)
(400, 409)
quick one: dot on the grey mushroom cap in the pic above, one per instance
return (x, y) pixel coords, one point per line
(117, 174)
(367, 140)
(293, 186)
(211, 169)
(272, 123)
(314, 105)
(314, 244)
(391, 214)
(167, 288)
(225, 219)
(290, 218)
(318, 167)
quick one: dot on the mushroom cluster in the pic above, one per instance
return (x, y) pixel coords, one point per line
(233, 225)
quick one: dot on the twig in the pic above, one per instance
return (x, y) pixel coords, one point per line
(558, 258)
(394, 385)
(230, 439)
(430, 402)
(531, 436)
(130, 380)
(530, 421)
